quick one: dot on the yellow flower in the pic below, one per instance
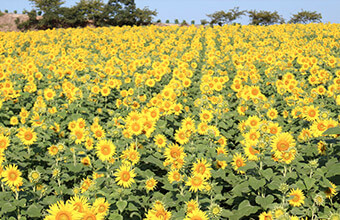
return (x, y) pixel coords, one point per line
(61, 210)
(238, 161)
(101, 206)
(105, 150)
(297, 197)
(201, 167)
(27, 136)
(49, 94)
(4, 142)
(197, 214)
(124, 176)
(12, 176)
(150, 184)
(196, 183)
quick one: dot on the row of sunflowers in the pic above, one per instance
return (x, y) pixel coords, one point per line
(232, 122)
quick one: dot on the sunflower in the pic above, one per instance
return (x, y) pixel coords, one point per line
(158, 212)
(131, 154)
(4, 142)
(297, 197)
(181, 136)
(150, 184)
(254, 92)
(206, 116)
(135, 127)
(12, 176)
(34, 176)
(322, 147)
(160, 140)
(238, 161)
(266, 216)
(101, 206)
(49, 94)
(192, 205)
(251, 152)
(124, 176)
(254, 122)
(91, 214)
(202, 128)
(174, 176)
(79, 135)
(331, 191)
(282, 142)
(197, 215)
(201, 167)
(312, 113)
(196, 183)
(80, 204)
(188, 123)
(99, 133)
(272, 113)
(27, 136)
(105, 149)
(61, 210)
(274, 128)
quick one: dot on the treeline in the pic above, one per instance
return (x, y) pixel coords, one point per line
(49, 14)
(261, 17)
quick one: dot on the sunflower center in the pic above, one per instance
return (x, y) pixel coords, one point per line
(101, 208)
(125, 176)
(239, 163)
(63, 216)
(176, 176)
(78, 207)
(253, 151)
(196, 181)
(2, 143)
(105, 150)
(98, 133)
(296, 198)
(282, 145)
(201, 169)
(12, 176)
(181, 135)
(28, 135)
(196, 218)
(312, 113)
(90, 217)
(135, 127)
(79, 134)
(174, 153)
(206, 116)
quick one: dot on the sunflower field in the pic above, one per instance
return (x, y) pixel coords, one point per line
(157, 123)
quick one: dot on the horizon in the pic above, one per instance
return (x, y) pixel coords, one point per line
(197, 10)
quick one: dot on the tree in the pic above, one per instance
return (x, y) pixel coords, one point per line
(204, 22)
(90, 10)
(222, 17)
(305, 17)
(119, 13)
(264, 17)
(144, 16)
(47, 6)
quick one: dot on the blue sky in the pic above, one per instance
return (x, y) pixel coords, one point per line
(197, 9)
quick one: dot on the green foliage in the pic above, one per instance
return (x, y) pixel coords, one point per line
(192, 21)
(176, 21)
(264, 17)
(222, 17)
(204, 22)
(305, 17)
(167, 21)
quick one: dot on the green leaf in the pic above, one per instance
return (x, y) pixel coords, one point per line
(309, 182)
(255, 183)
(333, 170)
(267, 173)
(8, 207)
(121, 205)
(241, 188)
(34, 211)
(264, 202)
(115, 216)
(334, 130)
